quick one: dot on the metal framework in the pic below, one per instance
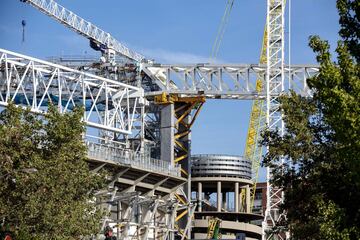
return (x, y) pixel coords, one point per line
(83, 27)
(275, 77)
(118, 108)
(257, 123)
(143, 217)
(221, 30)
(140, 204)
(227, 81)
(180, 114)
(34, 83)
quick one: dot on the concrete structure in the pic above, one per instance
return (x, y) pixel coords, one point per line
(143, 144)
(139, 197)
(260, 199)
(221, 187)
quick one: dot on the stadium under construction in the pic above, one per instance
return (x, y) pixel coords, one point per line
(143, 111)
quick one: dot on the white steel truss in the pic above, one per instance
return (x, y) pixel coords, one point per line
(274, 87)
(33, 83)
(83, 27)
(228, 81)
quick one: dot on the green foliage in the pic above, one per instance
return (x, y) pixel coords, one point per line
(349, 11)
(56, 202)
(321, 146)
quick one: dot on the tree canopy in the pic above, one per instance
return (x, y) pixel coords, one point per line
(57, 200)
(321, 145)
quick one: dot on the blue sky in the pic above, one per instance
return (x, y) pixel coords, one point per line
(176, 31)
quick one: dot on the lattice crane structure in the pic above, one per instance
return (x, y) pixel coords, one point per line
(99, 39)
(146, 110)
(274, 87)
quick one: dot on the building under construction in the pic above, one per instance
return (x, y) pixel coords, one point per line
(222, 185)
(143, 112)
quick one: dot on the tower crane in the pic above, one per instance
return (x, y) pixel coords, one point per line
(110, 47)
(204, 81)
(221, 30)
(99, 39)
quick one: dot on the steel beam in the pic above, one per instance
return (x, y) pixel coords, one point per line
(275, 85)
(83, 27)
(33, 83)
(225, 81)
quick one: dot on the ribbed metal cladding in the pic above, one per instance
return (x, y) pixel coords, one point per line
(216, 165)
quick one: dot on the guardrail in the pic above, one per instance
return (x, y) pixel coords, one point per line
(123, 156)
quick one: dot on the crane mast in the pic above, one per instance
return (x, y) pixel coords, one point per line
(263, 83)
(99, 39)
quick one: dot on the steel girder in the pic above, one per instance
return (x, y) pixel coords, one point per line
(225, 81)
(275, 85)
(140, 217)
(214, 81)
(34, 83)
(83, 27)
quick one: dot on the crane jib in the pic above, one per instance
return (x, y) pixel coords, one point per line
(99, 39)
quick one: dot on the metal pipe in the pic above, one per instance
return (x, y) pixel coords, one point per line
(218, 196)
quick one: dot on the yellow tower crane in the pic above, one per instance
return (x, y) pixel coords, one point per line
(253, 151)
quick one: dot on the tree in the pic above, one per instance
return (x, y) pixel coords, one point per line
(55, 202)
(321, 146)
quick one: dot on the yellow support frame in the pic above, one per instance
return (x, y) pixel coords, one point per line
(183, 107)
(257, 122)
(253, 152)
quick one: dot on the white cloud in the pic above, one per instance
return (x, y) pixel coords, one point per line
(165, 56)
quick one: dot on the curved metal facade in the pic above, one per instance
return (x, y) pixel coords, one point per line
(216, 165)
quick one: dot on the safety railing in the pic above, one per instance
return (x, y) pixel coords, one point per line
(128, 157)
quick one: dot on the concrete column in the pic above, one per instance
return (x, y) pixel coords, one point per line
(200, 196)
(186, 164)
(167, 133)
(218, 196)
(247, 199)
(236, 197)
(118, 218)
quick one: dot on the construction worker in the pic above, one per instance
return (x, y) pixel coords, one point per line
(109, 233)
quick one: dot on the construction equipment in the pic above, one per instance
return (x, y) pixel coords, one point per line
(275, 75)
(221, 30)
(99, 39)
(23, 24)
(213, 231)
(185, 86)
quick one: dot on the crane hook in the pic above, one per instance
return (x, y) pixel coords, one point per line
(23, 23)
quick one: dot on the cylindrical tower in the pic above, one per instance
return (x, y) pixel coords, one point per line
(221, 187)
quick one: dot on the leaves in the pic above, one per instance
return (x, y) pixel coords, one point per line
(55, 202)
(321, 146)
(349, 12)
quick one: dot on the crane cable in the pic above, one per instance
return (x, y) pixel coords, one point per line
(221, 30)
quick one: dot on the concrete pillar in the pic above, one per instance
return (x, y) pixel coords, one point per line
(247, 199)
(236, 197)
(200, 196)
(186, 164)
(167, 133)
(118, 218)
(218, 196)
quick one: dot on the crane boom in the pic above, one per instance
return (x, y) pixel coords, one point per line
(83, 27)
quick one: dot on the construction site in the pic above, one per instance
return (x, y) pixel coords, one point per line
(139, 114)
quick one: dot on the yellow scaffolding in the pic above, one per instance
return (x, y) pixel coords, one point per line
(185, 109)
